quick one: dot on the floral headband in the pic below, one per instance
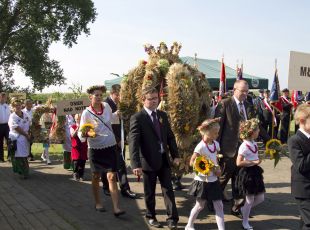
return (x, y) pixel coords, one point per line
(91, 89)
(248, 127)
(207, 124)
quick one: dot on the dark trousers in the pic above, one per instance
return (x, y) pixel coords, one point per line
(304, 209)
(4, 133)
(149, 184)
(79, 167)
(121, 173)
(230, 171)
(268, 127)
(284, 131)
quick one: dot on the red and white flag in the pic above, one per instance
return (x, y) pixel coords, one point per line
(222, 87)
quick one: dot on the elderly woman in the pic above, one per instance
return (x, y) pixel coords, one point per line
(101, 145)
(19, 123)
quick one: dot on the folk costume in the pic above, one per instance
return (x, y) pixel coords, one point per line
(21, 146)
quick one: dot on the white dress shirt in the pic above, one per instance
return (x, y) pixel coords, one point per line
(239, 107)
(4, 113)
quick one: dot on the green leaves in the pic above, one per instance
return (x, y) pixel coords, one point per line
(29, 27)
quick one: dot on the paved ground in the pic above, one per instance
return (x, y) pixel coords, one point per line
(49, 199)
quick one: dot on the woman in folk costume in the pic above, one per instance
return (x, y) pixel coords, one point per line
(95, 125)
(19, 124)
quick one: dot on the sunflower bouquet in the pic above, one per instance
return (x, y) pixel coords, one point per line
(274, 149)
(89, 129)
(203, 165)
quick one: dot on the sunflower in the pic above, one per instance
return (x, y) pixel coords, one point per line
(88, 127)
(273, 149)
(203, 165)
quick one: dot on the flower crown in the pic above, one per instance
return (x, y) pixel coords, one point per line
(91, 89)
(248, 127)
(207, 124)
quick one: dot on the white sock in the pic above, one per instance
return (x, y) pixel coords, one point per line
(200, 203)
(219, 214)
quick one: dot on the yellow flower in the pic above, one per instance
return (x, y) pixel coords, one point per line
(203, 165)
(273, 149)
(186, 128)
(87, 126)
(91, 133)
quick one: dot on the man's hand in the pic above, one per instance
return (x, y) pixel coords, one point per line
(176, 161)
(137, 171)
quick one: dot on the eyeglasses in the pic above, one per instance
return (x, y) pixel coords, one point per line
(152, 99)
(243, 91)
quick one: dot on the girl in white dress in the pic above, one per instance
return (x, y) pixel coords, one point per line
(19, 123)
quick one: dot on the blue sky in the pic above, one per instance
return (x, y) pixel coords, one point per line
(256, 32)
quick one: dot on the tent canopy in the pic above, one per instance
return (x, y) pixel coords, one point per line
(212, 70)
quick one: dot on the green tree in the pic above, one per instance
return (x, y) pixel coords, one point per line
(29, 27)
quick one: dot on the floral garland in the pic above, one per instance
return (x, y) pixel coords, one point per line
(248, 127)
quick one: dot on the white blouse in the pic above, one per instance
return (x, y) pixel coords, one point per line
(203, 150)
(249, 150)
(105, 137)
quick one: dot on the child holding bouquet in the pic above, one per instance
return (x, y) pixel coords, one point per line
(249, 181)
(299, 149)
(206, 187)
(79, 150)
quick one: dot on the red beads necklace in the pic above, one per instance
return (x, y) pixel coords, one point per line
(214, 147)
(101, 109)
(250, 148)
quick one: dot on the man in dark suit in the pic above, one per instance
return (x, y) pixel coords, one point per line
(150, 141)
(232, 111)
(299, 149)
(113, 100)
(285, 116)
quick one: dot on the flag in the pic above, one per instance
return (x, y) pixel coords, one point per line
(239, 72)
(294, 98)
(222, 87)
(275, 95)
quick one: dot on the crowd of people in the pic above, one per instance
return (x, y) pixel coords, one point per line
(238, 121)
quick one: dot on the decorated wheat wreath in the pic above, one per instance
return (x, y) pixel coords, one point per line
(56, 130)
(184, 94)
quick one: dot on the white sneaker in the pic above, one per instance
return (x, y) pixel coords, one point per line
(48, 161)
(43, 157)
(189, 228)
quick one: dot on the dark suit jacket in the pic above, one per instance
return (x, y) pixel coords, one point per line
(299, 148)
(115, 127)
(144, 144)
(229, 125)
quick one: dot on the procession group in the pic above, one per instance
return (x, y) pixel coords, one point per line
(237, 122)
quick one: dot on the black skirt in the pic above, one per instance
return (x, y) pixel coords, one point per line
(103, 160)
(206, 190)
(250, 181)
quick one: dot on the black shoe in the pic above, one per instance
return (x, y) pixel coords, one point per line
(177, 185)
(172, 225)
(117, 214)
(100, 209)
(154, 223)
(106, 192)
(129, 194)
(31, 159)
(237, 213)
